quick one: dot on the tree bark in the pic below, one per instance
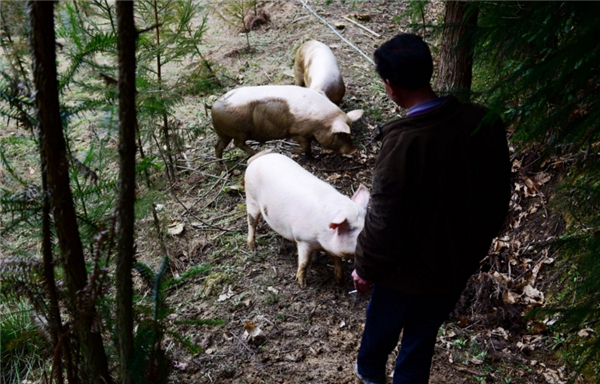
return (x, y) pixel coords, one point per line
(50, 283)
(125, 210)
(455, 72)
(54, 156)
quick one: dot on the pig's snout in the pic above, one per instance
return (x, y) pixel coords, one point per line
(348, 150)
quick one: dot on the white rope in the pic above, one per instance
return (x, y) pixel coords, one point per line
(337, 33)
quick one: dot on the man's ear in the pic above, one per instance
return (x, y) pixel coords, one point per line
(390, 88)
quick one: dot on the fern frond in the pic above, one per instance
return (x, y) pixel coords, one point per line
(9, 112)
(99, 43)
(145, 272)
(158, 288)
(7, 166)
(22, 205)
(87, 106)
(143, 343)
(195, 270)
(191, 347)
(70, 27)
(200, 322)
(100, 190)
(20, 106)
(15, 223)
(9, 205)
(19, 272)
(19, 264)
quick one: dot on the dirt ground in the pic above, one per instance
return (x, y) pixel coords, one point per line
(273, 331)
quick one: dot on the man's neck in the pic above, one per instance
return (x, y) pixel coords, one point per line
(410, 98)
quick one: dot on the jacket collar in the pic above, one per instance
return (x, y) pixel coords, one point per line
(451, 102)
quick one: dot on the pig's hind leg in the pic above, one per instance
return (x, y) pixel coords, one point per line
(304, 255)
(253, 218)
(221, 144)
(299, 73)
(241, 144)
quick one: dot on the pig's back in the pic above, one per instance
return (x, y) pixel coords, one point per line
(293, 202)
(274, 172)
(298, 101)
(324, 71)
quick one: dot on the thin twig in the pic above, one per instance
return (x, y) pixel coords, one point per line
(149, 28)
(244, 344)
(284, 142)
(225, 215)
(530, 269)
(206, 193)
(236, 219)
(337, 33)
(298, 19)
(214, 199)
(228, 172)
(343, 169)
(470, 371)
(200, 157)
(261, 317)
(205, 357)
(202, 173)
(169, 176)
(180, 284)
(197, 218)
(362, 26)
(187, 161)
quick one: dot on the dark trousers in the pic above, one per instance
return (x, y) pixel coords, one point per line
(388, 313)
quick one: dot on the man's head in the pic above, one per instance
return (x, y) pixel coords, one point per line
(405, 61)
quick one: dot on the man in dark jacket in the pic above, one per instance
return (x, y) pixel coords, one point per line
(440, 194)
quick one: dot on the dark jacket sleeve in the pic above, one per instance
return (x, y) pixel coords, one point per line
(389, 217)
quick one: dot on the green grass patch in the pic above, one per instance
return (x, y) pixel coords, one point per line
(21, 347)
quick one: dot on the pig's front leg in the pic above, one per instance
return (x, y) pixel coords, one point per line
(304, 145)
(253, 217)
(338, 269)
(304, 254)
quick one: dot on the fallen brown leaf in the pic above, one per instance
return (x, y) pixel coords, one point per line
(249, 326)
(542, 178)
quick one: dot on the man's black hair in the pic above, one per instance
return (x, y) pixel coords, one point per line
(405, 61)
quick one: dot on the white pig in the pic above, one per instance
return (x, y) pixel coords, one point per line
(302, 208)
(272, 112)
(315, 67)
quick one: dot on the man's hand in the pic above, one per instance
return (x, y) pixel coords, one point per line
(361, 284)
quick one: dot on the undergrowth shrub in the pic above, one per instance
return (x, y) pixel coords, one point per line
(87, 75)
(22, 351)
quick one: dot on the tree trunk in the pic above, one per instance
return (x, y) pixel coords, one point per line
(125, 210)
(53, 155)
(50, 283)
(456, 57)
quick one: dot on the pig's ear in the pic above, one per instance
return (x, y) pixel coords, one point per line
(340, 127)
(338, 222)
(355, 115)
(361, 196)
